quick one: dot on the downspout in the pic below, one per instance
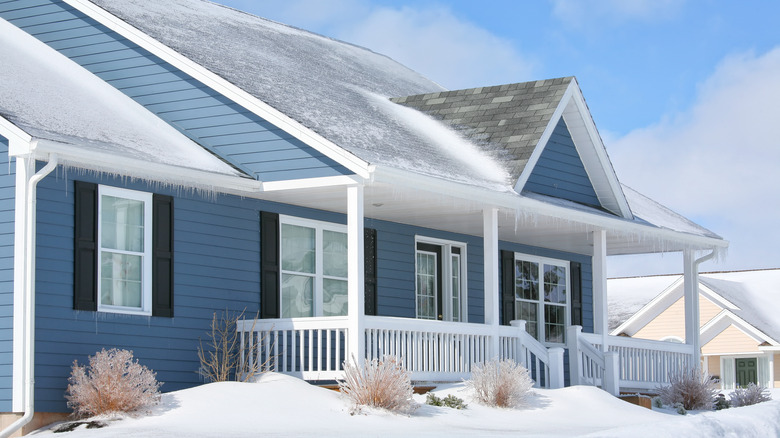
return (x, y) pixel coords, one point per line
(29, 296)
(697, 322)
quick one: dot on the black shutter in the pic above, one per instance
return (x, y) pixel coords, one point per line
(576, 293)
(507, 287)
(85, 245)
(162, 255)
(269, 265)
(369, 270)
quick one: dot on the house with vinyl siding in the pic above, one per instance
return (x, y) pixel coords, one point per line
(738, 320)
(169, 160)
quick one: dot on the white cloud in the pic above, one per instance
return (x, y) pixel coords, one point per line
(455, 53)
(597, 13)
(719, 161)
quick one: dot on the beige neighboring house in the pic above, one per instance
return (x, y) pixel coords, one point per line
(739, 315)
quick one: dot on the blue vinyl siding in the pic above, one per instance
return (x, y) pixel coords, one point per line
(243, 139)
(560, 172)
(7, 192)
(395, 268)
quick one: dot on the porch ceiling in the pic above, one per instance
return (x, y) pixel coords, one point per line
(462, 213)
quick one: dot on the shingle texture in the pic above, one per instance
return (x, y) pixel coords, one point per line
(508, 118)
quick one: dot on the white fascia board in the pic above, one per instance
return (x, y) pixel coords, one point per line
(651, 310)
(72, 155)
(537, 152)
(726, 318)
(595, 159)
(222, 86)
(716, 297)
(512, 201)
(310, 183)
(18, 140)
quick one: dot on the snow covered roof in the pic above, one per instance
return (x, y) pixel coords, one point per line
(338, 90)
(52, 98)
(755, 295)
(509, 118)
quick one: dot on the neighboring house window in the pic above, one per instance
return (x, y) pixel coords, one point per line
(313, 268)
(541, 296)
(440, 280)
(125, 250)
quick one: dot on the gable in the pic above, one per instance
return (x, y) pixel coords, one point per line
(559, 171)
(731, 340)
(228, 130)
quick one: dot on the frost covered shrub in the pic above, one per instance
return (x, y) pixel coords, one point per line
(721, 402)
(693, 389)
(220, 359)
(384, 384)
(449, 401)
(112, 382)
(749, 396)
(502, 383)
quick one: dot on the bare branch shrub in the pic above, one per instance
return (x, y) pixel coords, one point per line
(503, 383)
(220, 359)
(750, 395)
(384, 384)
(693, 388)
(112, 382)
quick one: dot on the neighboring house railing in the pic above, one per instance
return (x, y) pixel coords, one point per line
(315, 348)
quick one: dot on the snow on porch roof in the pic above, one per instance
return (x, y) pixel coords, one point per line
(52, 98)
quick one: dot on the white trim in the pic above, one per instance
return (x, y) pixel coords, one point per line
(540, 321)
(146, 269)
(222, 86)
(18, 140)
(308, 183)
(446, 275)
(20, 257)
(727, 318)
(318, 275)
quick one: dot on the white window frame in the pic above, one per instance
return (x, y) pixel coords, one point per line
(319, 227)
(540, 303)
(146, 270)
(446, 273)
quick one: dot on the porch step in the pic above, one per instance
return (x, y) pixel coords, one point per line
(417, 389)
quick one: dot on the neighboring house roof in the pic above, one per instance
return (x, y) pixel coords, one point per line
(750, 297)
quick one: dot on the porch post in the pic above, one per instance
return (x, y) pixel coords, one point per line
(490, 250)
(600, 312)
(691, 297)
(355, 274)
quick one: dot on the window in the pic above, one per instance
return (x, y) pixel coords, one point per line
(440, 280)
(313, 268)
(124, 245)
(541, 296)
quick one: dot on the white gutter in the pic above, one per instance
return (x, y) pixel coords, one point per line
(28, 333)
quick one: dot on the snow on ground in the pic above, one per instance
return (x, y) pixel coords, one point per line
(279, 405)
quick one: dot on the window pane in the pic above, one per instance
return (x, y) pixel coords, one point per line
(554, 323)
(528, 312)
(122, 224)
(426, 285)
(334, 254)
(555, 284)
(334, 297)
(297, 296)
(298, 253)
(456, 287)
(526, 280)
(120, 279)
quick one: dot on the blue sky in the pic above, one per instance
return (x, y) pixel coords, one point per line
(685, 93)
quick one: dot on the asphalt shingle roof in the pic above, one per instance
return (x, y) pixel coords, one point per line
(508, 117)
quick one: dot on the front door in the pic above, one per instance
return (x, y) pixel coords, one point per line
(747, 371)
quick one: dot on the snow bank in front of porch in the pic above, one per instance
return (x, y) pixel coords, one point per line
(278, 405)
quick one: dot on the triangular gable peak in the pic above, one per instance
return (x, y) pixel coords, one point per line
(579, 129)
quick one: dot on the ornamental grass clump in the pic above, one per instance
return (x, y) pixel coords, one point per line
(112, 383)
(749, 395)
(383, 384)
(502, 383)
(692, 389)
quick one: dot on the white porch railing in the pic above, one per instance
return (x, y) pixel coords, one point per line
(315, 348)
(645, 364)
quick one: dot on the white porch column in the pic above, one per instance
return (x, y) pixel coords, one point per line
(355, 274)
(23, 169)
(490, 250)
(600, 311)
(691, 298)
